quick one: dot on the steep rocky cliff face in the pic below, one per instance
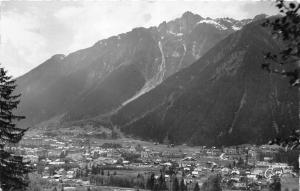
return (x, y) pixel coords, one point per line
(115, 71)
(224, 98)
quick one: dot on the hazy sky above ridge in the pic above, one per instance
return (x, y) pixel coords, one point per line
(33, 31)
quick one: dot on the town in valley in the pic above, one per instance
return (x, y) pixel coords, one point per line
(83, 162)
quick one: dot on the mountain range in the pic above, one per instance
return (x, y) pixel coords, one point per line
(191, 80)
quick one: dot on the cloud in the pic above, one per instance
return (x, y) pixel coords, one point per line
(147, 17)
(94, 21)
(21, 44)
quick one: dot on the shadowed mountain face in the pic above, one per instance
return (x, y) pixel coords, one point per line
(224, 98)
(115, 71)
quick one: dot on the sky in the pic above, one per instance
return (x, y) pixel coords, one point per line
(32, 31)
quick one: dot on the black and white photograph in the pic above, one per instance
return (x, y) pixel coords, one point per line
(149, 95)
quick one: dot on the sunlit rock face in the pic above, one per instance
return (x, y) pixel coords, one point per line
(113, 72)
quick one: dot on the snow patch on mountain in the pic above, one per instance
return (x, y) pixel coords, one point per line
(212, 22)
(162, 67)
(236, 28)
(184, 52)
(175, 34)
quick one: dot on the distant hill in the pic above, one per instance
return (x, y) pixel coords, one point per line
(97, 81)
(224, 98)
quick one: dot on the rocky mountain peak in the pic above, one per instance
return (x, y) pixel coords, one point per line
(260, 17)
(189, 16)
(58, 57)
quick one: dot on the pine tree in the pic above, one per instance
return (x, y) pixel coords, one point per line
(94, 169)
(275, 185)
(182, 185)
(162, 182)
(175, 184)
(240, 162)
(12, 168)
(197, 188)
(150, 182)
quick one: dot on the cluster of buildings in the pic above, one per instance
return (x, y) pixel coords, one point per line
(68, 160)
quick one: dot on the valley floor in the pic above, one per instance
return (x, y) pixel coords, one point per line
(75, 160)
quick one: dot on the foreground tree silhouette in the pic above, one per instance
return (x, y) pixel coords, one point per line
(286, 63)
(12, 169)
